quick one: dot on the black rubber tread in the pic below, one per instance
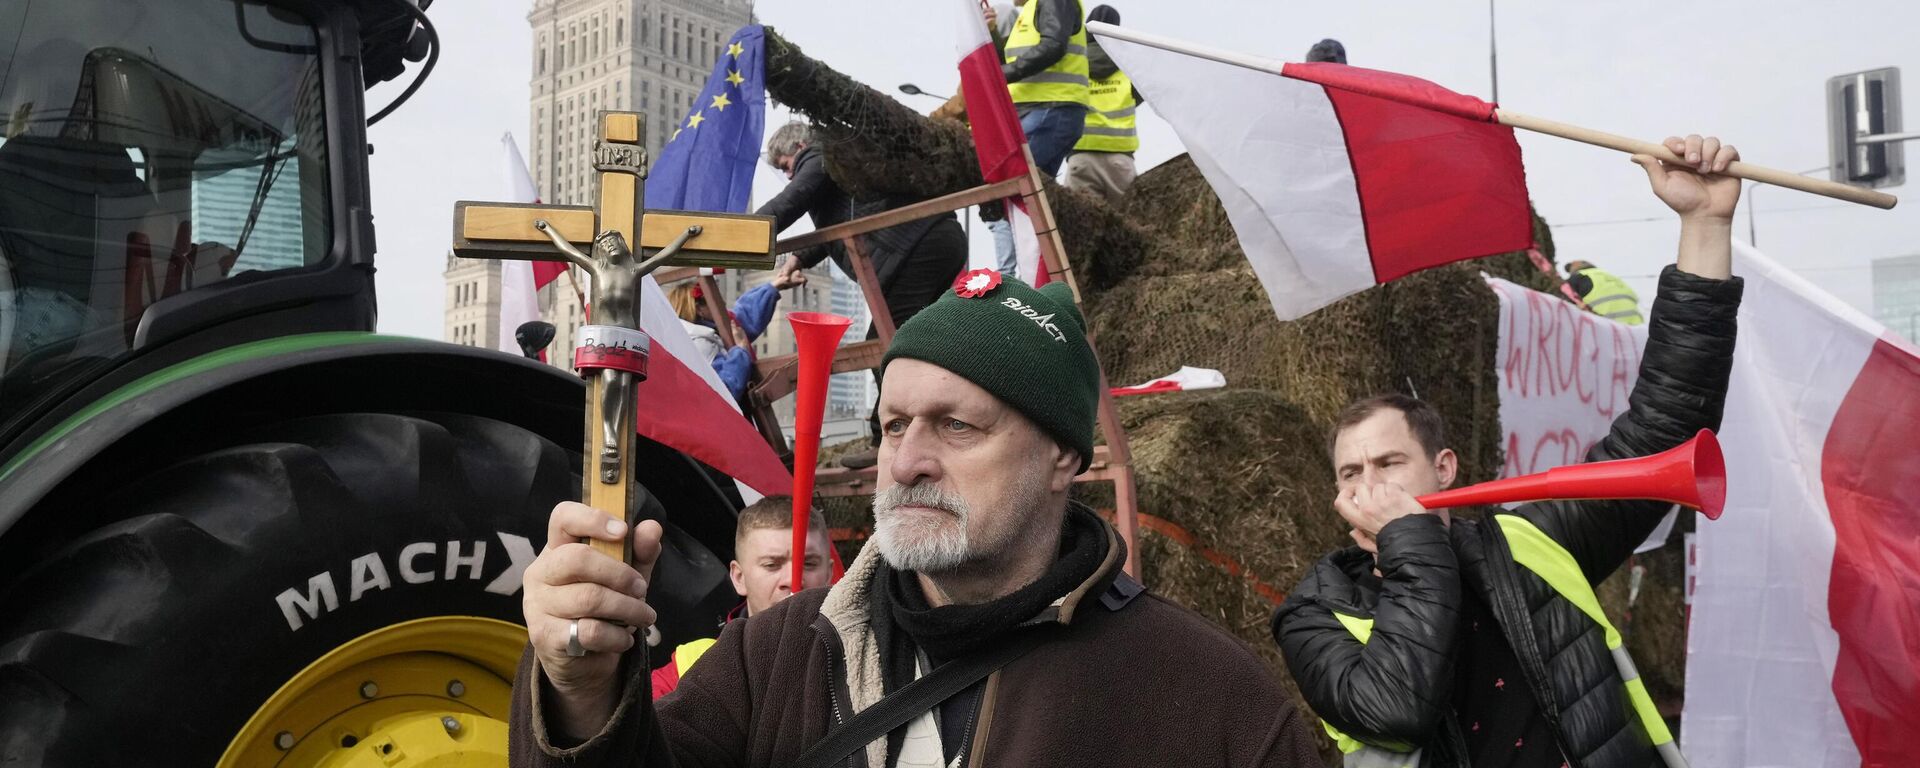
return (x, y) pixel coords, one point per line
(151, 639)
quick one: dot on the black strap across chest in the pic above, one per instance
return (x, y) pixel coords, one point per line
(916, 699)
(922, 695)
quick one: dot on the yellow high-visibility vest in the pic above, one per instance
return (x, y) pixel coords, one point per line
(688, 653)
(1110, 119)
(1611, 298)
(1535, 551)
(1066, 81)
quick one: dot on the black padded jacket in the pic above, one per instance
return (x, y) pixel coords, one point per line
(813, 193)
(1395, 690)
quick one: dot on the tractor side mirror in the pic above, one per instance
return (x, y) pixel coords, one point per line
(1863, 129)
(533, 336)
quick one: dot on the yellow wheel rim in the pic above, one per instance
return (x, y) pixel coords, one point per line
(429, 693)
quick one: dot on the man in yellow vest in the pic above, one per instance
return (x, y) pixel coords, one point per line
(762, 573)
(1478, 641)
(1102, 161)
(1606, 295)
(1045, 63)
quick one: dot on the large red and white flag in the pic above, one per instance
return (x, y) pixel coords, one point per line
(684, 405)
(1335, 178)
(1804, 647)
(998, 139)
(519, 295)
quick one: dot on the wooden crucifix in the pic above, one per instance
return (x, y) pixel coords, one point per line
(616, 242)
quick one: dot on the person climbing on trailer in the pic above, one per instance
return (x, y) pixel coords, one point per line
(914, 262)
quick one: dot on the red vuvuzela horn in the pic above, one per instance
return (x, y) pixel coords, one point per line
(817, 334)
(1692, 473)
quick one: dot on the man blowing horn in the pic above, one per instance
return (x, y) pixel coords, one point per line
(1443, 642)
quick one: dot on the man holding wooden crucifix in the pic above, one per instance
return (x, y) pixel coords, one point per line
(988, 621)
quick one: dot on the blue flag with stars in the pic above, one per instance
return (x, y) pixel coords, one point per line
(707, 163)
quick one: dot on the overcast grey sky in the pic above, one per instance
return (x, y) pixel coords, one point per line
(1752, 72)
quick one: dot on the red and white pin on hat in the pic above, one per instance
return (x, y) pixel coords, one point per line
(976, 283)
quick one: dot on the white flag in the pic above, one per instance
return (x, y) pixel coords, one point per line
(519, 302)
(1804, 645)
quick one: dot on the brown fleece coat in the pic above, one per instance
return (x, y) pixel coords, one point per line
(1149, 684)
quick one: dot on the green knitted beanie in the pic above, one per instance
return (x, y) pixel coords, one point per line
(1027, 347)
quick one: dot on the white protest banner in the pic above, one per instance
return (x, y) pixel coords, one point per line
(1564, 375)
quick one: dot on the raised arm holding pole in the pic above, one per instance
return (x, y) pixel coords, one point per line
(1741, 170)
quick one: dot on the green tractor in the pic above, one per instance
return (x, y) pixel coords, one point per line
(237, 528)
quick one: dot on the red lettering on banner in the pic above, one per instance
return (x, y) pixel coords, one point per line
(1512, 467)
(1589, 335)
(1553, 448)
(1515, 356)
(1542, 348)
(1565, 376)
(1564, 355)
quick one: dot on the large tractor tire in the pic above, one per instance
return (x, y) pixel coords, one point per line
(330, 590)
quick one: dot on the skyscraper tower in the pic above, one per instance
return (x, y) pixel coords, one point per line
(647, 56)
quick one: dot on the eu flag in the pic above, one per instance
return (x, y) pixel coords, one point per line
(708, 161)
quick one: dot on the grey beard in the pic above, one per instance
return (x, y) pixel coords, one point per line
(918, 543)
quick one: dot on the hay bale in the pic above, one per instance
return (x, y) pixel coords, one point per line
(1104, 245)
(1243, 474)
(1185, 212)
(1150, 326)
(874, 145)
(1433, 332)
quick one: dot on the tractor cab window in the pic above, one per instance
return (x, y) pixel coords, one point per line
(147, 149)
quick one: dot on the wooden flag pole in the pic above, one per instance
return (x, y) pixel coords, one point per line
(1742, 170)
(1739, 169)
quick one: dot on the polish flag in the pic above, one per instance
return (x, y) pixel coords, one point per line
(519, 282)
(522, 190)
(684, 406)
(1804, 645)
(1187, 379)
(998, 139)
(1335, 178)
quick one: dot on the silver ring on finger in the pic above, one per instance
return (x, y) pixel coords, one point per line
(574, 649)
